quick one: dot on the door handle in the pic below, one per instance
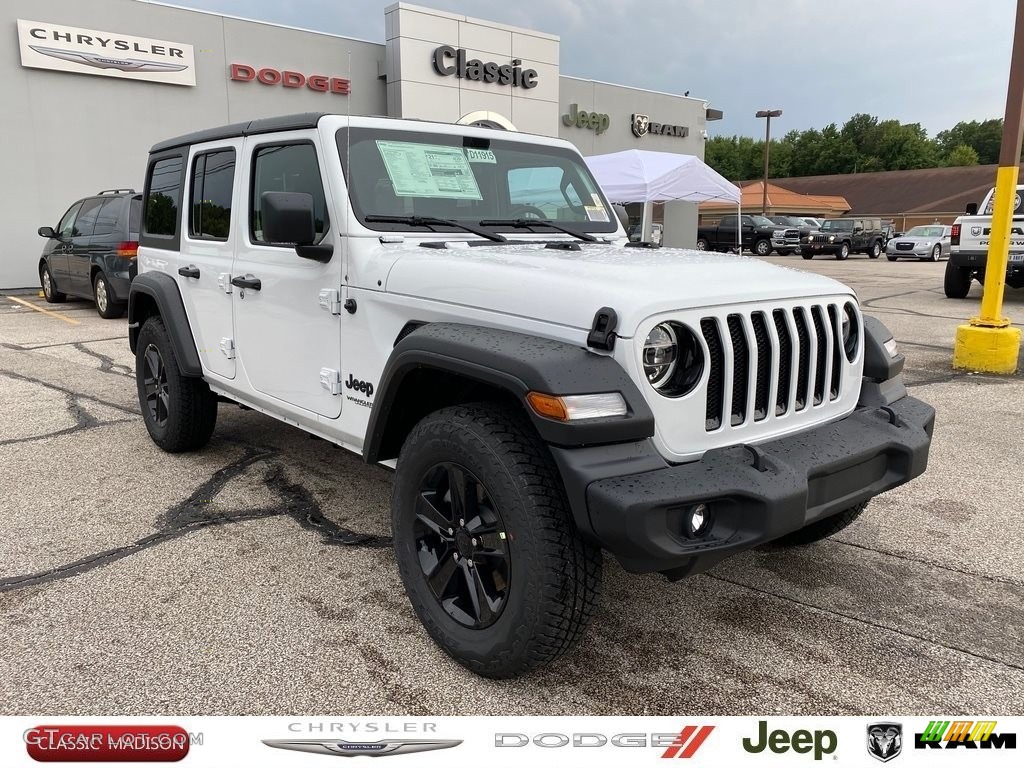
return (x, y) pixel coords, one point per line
(248, 281)
(190, 271)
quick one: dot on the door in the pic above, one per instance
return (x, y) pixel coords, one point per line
(56, 249)
(108, 232)
(726, 233)
(286, 342)
(79, 253)
(204, 266)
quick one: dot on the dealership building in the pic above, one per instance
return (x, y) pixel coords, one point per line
(88, 87)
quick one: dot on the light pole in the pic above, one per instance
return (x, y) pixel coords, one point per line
(767, 114)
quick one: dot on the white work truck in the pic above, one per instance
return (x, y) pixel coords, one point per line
(462, 304)
(969, 241)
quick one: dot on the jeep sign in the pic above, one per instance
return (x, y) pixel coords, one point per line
(110, 54)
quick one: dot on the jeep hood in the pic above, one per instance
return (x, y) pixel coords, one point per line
(568, 287)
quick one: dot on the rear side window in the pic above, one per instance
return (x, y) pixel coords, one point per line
(287, 168)
(110, 218)
(213, 175)
(163, 193)
(86, 221)
(135, 218)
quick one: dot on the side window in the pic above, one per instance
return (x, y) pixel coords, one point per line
(86, 221)
(213, 176)
(727, 221)
(109, 217)
(135, 218)
(287, 168)
(67, 223)
(164, 192)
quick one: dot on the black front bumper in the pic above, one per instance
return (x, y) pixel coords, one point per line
(976, 260)
(756, 494)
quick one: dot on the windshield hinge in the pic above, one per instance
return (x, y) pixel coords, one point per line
(330, 299)
(602, 331)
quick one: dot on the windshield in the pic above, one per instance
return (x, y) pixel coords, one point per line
(399, 173)
(925, 231)
(762, 221)
(837, 226)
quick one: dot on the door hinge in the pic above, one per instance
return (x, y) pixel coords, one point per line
(330, 380)
(227, 346)
(224, 281)
(330, 299)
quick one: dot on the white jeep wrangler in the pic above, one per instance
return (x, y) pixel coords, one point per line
(464, 302)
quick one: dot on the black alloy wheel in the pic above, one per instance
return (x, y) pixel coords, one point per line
(462, 546)
(155, 383)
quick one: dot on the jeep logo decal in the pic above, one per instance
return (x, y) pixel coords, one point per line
(359, 386)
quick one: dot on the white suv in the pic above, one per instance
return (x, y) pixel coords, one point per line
(463, 304)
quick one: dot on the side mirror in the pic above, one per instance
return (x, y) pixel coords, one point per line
(972, 209)
(46, 232)
(288, 217)
(857, 229)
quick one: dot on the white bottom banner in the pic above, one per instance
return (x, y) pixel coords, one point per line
(311, 742)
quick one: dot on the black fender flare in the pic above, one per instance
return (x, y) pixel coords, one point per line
(518, 364)
(878, 364)
(164, 292)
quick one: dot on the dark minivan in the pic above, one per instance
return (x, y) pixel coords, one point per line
(91, 253)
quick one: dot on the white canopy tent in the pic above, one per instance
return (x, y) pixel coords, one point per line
(640, 176)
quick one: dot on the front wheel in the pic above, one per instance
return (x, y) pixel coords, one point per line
(957, 281)
(892, 258)
(485, 543)
(843, 253)
(822, 529)
(762, 247)
(702, 244)
(807, 255)
(50, 292)
(783, 251)
(936, 253)
(180, 411)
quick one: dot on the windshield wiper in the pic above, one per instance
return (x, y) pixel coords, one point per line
(430, 221)
(526, 223)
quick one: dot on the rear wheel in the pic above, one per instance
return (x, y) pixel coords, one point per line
(957, 282)
(875, 250)
(485, 542)
(822, 529)
(105, 304)
(50, 292)
(180, 411)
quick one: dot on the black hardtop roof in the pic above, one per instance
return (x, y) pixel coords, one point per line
(248, 128)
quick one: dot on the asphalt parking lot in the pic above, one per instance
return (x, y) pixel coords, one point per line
(255, 577)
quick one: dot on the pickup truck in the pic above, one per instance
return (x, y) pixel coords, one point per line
(969, 248)
(758, 232)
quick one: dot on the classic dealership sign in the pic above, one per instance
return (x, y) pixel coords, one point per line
(290, 79)
(91, 52)
(643, 125)
(450, 61)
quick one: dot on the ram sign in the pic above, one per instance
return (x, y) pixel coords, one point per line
(90, 52)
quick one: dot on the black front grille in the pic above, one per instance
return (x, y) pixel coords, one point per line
(785, 359)
(716, 374)
(804, 351)
(904, 246)
(764, 365)
(821, 359)
(740, 369)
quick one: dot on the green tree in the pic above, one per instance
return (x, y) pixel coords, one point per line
(983, 137)
(961, 155)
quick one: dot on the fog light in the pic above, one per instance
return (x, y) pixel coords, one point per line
(698, 520)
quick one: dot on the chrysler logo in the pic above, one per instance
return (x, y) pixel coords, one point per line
(369, 748)
(108, 62)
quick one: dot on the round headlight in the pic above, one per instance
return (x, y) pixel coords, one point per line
(673, 359)
(851, 331)
(660, 354)
(831, 238)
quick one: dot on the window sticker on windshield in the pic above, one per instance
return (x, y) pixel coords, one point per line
(596, 213)
(481, 156)
(428, 170)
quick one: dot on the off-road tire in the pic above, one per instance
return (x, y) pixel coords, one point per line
(892, 258)
(51, 294)
(554, 575)
(843, 253)
(957, 282)
(762, 247)
(808, 255)
(822, 529)
(875, 250)
(106, 306)
(191, 408)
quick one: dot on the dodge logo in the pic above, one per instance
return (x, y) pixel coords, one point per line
(640, 124)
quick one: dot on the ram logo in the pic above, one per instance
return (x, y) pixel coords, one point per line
(885, 740)
(641, 123)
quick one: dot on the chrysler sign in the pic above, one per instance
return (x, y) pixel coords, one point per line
(88, 51)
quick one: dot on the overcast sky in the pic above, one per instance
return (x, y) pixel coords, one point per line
(934, 62)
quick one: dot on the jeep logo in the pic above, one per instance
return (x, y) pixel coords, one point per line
(359, 386)
(801, 742)
(580, 118)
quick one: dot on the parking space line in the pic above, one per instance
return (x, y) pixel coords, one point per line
(58, 315)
